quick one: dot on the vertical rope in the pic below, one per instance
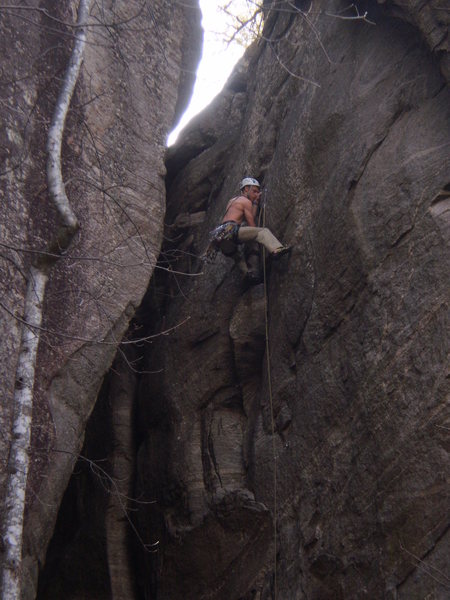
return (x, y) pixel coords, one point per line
(269, 384)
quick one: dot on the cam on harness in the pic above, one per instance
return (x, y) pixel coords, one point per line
(224, 238)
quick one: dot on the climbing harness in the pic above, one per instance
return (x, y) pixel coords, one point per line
(224, 238)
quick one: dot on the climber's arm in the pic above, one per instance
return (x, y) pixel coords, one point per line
(249, 213)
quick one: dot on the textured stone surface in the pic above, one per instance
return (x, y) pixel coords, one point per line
(136, 77)
(432, 19)
(347, 125)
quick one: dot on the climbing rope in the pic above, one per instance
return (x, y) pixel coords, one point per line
(269, 385)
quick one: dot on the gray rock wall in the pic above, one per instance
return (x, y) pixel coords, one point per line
(135, 80)
(347, 123)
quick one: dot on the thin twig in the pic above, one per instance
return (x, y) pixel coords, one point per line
(356, 17)
(76, 338)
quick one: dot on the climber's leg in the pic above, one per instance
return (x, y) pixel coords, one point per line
(262, 235)
(252, 257)
(240, 261)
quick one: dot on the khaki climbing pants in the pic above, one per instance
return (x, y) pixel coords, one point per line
(262, 235)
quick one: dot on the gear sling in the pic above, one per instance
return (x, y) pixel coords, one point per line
(224, 238)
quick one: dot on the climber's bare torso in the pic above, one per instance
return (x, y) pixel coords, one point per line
(243, 208)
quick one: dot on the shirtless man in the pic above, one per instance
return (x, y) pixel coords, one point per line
(238, 226)
(244, 208)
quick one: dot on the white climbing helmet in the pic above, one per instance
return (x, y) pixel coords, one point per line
(248, 181)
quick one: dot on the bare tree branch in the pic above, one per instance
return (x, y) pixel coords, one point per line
(32, 319)
(77, 25)
(356, 16)
(32, 326)
(54, 175)
(19, 457)
(314, 83)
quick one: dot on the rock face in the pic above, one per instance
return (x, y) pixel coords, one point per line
(286, 440)
(135, 80)
(343, 448)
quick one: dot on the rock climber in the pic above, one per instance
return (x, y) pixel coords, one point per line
(238, 226)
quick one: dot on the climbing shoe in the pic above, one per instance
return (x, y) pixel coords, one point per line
(281, 251)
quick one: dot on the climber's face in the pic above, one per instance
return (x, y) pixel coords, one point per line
(253, 193)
